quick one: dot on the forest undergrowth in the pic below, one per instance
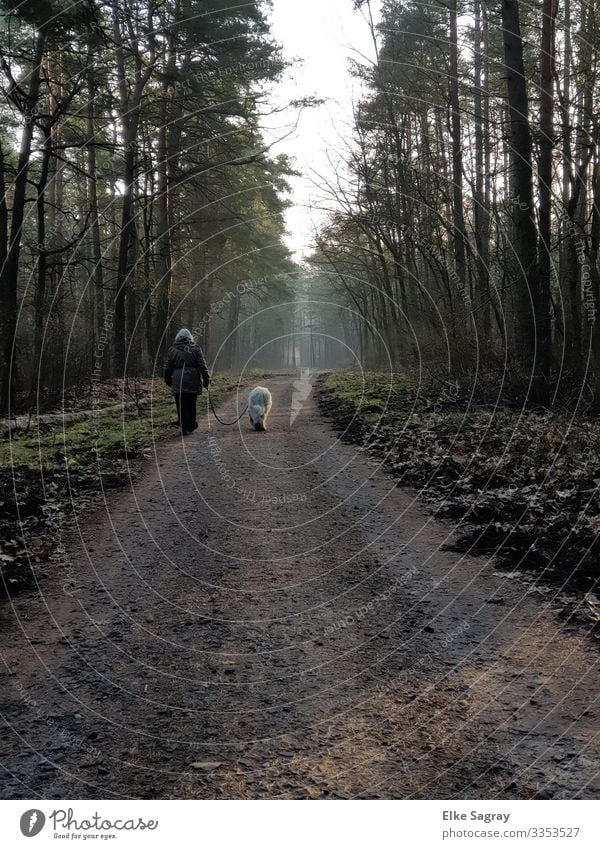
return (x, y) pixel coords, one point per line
(520, 485)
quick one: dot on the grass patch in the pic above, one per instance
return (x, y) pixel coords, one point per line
(372, 393)
(102, 434)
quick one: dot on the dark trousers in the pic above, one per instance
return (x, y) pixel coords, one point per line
(186, 410)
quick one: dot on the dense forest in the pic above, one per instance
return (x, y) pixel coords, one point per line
(136, 188)
(138, 191)
(465, 229)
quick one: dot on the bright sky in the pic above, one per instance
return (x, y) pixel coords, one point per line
(325, 34)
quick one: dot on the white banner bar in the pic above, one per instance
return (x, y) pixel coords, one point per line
(305, 825)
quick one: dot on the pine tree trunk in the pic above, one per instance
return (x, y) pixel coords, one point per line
(481, 207)
(546, 145)
(38, 373)
(101, 361)
(524, 235)
(458, 217)
(9, 270)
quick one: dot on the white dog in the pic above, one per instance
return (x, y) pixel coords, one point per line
(259, 407)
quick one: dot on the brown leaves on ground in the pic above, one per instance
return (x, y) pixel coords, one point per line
(523, 485)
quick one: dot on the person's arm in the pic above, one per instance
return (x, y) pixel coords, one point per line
(203, 368)
(169, 369)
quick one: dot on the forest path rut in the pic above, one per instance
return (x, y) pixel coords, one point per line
(267, 615)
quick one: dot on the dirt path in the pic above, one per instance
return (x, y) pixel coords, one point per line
(268, 615)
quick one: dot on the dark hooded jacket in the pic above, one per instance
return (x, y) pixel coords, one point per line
(185, 368)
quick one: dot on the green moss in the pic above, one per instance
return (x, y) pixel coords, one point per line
(372, 394)
(102, 433)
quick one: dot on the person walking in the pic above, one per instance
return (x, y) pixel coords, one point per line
(186, 372)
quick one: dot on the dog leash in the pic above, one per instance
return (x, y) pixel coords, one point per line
(216, 415)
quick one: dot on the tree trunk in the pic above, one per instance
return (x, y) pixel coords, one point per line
(39, 298)
(481, 207)
(164, 225)
(458, 217)
(546, 145)
(57, 364)
(130, 101)
(9, 271)
(101, 360)
(524, 236)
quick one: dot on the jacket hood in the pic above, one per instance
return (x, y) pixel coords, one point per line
(184, 335)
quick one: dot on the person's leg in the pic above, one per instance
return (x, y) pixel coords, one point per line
(188, 411)
(178, 404)
(193, 412)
